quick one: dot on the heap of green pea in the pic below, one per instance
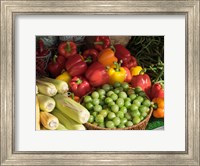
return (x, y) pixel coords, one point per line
(117, 106)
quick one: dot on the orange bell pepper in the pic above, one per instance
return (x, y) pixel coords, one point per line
(159, 110)
(107, 57)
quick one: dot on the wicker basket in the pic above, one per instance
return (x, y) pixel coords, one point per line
(140, 126)
(41, 65)
(120, 40)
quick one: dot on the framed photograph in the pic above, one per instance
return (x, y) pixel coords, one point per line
(33, 36)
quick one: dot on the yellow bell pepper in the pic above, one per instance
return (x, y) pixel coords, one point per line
(64, 77)
(116, 73)
(136, 70)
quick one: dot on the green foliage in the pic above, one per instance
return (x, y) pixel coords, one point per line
(155, 123)
(149, 52)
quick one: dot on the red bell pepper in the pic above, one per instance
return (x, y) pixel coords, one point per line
(157, 91)
(121, 52)
(91, 55)
(97, 75)
(143, 81)
(67, 49)
(76, 65)
(101, 42)
(79, 86)
(56, 65)
(124, 54)
(128, 75)
(132, 62)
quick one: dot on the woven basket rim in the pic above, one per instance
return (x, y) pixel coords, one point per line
(126, 128)
(43, 57)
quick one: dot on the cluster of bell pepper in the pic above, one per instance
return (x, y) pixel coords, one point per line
(103, 63)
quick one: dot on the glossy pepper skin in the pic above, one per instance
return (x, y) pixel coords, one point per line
(142, 81)
(136, 70)
(128, 75)
(76, 65)
(157, 91)
(97, 75)
(132, 62)
(116, 73)
(158, 111)
(122, 53)
(64, 76)
(91, 55)
(79, 86)
(101, 42)
(67, 49)
(107, 57)
(56, 65)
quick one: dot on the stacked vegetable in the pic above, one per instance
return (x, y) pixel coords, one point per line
(100, 64)
(55, 110)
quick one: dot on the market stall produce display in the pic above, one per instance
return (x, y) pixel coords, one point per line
(100, 84)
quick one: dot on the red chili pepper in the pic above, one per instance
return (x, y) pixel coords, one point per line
(96, 74)
(91, 55)
(132, 62)
(41, 51)
(76, 65)
(157, 91)
(79, 86)
(67, 49)
(128, 75)
(142, 81)
(101, 42)
(56, 65)
(41, 45)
